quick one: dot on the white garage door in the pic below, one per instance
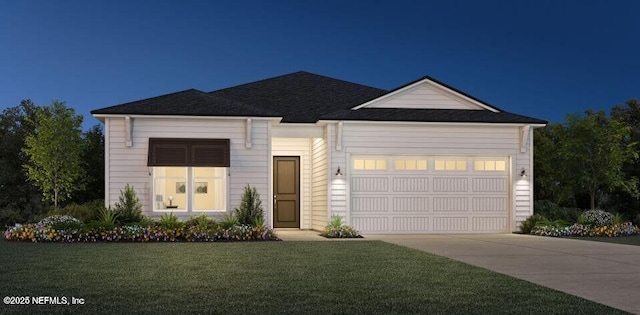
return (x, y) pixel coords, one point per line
(429, 194)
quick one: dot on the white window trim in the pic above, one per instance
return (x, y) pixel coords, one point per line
(190, 182)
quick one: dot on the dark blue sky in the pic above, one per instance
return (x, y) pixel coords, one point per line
(538, 58)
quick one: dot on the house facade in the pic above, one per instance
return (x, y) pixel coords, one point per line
(422, 158)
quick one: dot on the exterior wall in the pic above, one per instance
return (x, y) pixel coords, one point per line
(319, 175)
(431, 139)
(424, 96)
(298, 147)
(128, 165)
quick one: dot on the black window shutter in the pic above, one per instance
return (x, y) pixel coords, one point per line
(189, 152)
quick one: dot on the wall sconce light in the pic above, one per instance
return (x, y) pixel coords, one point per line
(338, 173)
(523, 173)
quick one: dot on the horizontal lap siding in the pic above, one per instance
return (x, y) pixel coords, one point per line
(128, 165)
(424, 96)
(298, 147)
(416, 139)
(319, 184)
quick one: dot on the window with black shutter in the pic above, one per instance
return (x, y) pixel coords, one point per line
(189, 152)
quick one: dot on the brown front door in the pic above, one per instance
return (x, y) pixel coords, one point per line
(286, 191)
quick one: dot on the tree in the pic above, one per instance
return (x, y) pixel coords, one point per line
(19, 199)
(551, 182)
(250, 211)
(93, 164)
(54, 152)
(594, 150)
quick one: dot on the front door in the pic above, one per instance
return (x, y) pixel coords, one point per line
(286, 192)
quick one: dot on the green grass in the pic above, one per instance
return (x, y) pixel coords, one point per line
(628, 240)
(366, 277)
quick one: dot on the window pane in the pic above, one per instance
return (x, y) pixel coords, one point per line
(461, 165)
(411, 164)
(501, 165)
(478, 166)
(381, 164)
(209, 188)
(490, 165)
(450, 165)
(399, 165)
(439, 165)
(370, 164)
(358, 164)
(170, 188)
(422, 164)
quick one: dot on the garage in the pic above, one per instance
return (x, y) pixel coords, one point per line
(430, 194)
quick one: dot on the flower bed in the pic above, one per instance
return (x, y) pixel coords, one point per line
(137, 233)
(612, 230)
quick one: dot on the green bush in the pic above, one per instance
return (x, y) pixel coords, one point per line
(552, 211)
(250, 209)
(10, 216)
(128, 207)
(337, 229)
(228, 221)
(85, 212)
(170, 221)
(107, 216)
(202, 222)
(527, 225)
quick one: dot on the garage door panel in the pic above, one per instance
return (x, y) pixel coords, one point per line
(489, 204)
(489, 224)
(450, 224)
(450, 204)
(369, 204)
(450, 184)
(369, 184)
(410, 204)
(371, 224)
(401, 200)
(410, 184)
(489, 184)
(411, 224)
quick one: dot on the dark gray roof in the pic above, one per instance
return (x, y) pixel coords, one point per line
(430, 115)
(188, 103)
(303, 97)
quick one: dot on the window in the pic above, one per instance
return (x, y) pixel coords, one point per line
(187, 189)
(189, 174)
(370, 165)
(409, 165)
(494, 165)
(450, 165)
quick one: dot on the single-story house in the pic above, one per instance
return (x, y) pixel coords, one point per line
(422, 158)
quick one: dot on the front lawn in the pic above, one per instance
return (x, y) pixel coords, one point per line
(367, 277)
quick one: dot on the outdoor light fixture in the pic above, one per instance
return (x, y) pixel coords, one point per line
(338, 173)
(523, 173)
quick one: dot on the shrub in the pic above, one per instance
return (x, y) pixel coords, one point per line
(128, 207)
(170, 221)
(9, 216)
(618, 219)
(552, 211)
(613, 230)
(202, 222)
(250, 209)
(107, 216)
(637, 220)
(596, 218)
(337, 229)
(85, 212)
(228, 221)
(530, 223)
(58, 219)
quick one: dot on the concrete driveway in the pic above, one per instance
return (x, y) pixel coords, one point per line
(602, 272)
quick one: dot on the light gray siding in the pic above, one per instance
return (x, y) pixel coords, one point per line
(128, 165)
(320, 174)
(298, 147)
(434, 139)
(424, 96)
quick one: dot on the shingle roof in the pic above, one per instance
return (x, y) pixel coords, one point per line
(303, 97)
(188, 103)
(430, 115)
